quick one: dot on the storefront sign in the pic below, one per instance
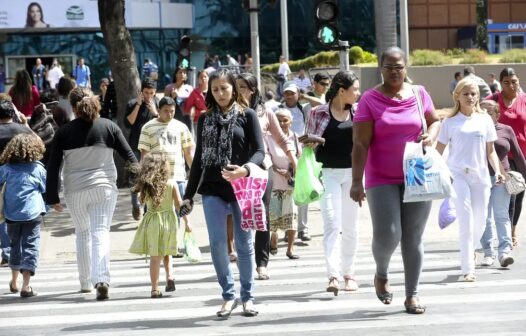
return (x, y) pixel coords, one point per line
(83, 14)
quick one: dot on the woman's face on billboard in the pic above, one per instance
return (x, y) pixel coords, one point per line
(34, 13)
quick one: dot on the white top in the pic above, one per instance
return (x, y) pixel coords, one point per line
(284, 69)
(298, 121)
(54, 76)
(467, 138)
(272, 104)
(303, 83)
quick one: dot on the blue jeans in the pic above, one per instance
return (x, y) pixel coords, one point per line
(4, 241)
(498, 210)
(25, 244)
(134, 198)
(216, 211)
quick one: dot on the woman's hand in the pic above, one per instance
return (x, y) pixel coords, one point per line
(357, 192)
(426, 139)
(312, 145)
(186, 207)
(499, 178)
(58, 207)
(233, 172)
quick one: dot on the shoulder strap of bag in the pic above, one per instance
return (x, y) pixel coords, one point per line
(296, 144)
(416, 91)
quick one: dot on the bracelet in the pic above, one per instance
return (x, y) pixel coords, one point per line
(247, 168)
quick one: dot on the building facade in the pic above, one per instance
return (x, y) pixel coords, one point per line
(447, 24)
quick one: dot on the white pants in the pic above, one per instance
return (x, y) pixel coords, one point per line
(92, 212)
(471, 201)
(340, 215)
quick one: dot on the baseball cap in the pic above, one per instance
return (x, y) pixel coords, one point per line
(290, 86)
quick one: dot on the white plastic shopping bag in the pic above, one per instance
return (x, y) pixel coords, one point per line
(426, 175)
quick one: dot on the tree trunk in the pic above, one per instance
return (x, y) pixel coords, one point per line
(385, 25)
(122, 62)
(481, 37)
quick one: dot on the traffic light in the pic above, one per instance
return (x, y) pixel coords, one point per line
(183, 59)
(326, 25)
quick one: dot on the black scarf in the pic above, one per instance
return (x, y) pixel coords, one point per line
(217, 146)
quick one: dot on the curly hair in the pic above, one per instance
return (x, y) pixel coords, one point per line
(152, 179)
(88, 109)
(77, 94)
(23, 148)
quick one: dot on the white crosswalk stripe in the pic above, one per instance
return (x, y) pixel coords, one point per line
(293, 301)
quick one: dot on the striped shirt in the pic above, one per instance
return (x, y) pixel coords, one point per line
(170, 138)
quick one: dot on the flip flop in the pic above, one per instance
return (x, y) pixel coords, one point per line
(293, 256)
(155, 294)
(29, 293)
(414, 308)
(225, 313)
(273, 250)
(250, 312)
(12, 289)
(386, 297)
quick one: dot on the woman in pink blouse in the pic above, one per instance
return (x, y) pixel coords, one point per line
(25, 95)
(248, 87)
(387, 118)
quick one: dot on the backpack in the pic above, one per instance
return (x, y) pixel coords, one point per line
(43, 124)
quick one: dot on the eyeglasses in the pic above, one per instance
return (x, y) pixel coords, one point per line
(324, 83)
(397, 68)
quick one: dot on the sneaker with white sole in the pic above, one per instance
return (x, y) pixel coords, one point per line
(487, 261)
(506, 260)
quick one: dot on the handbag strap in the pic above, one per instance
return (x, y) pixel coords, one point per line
(420, 106)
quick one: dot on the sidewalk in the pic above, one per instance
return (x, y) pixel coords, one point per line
(58, 237)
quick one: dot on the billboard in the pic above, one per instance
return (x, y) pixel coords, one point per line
(83, 14)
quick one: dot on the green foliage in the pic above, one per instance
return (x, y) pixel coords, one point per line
(355, 55)
(474, 56)
(429, 57)
(325, 59)
(455, 52)
(514, 56)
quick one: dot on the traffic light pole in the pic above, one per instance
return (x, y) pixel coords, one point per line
(343, 50)
(254, 39)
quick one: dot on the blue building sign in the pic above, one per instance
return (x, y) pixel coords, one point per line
(505, 36)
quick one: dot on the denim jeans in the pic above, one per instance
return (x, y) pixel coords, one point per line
(134, 198)
(498, 212)
(4, 241)
(25, 244)
(216, 211)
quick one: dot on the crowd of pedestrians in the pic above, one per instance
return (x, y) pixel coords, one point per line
(200, 140)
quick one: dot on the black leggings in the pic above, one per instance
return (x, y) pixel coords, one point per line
(515, 201)
(262, 245)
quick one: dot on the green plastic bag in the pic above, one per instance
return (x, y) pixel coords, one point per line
(191, 250)
(307, 186)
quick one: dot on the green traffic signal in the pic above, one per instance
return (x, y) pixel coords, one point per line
(327, 35)
(184, 63)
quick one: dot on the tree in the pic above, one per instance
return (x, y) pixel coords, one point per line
(121, 56)
(481, 37)
(385, 25)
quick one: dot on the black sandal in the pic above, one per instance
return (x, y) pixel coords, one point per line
(415, 308)
(155, 294)
(11, 288)
(386, 297)
(225, 313)
(292, 256)
(170, 285)
(273, 250)
(249, 312)
(29, 293)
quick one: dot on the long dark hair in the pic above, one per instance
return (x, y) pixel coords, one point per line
(22, 89)
(342, 80)
(210, 101)
(252, 82)
(29, 21)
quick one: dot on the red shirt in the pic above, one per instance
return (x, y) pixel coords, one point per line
(197, 100)
(27, 109)
(515, 117)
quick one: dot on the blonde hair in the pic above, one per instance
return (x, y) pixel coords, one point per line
(456, 94)
(23, 148)
(152, 179)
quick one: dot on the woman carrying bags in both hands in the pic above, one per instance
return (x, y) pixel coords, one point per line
(334, 121)
(471, 133)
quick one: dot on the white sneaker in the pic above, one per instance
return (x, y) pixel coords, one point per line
(506, 260)
(487, 261)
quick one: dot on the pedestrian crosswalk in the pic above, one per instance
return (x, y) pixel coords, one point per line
(293, 301)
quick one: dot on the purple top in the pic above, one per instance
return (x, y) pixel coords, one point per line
(506, 142)
(395, 122)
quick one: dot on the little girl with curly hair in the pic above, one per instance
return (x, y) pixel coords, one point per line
(157, 234)
(25, 181)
